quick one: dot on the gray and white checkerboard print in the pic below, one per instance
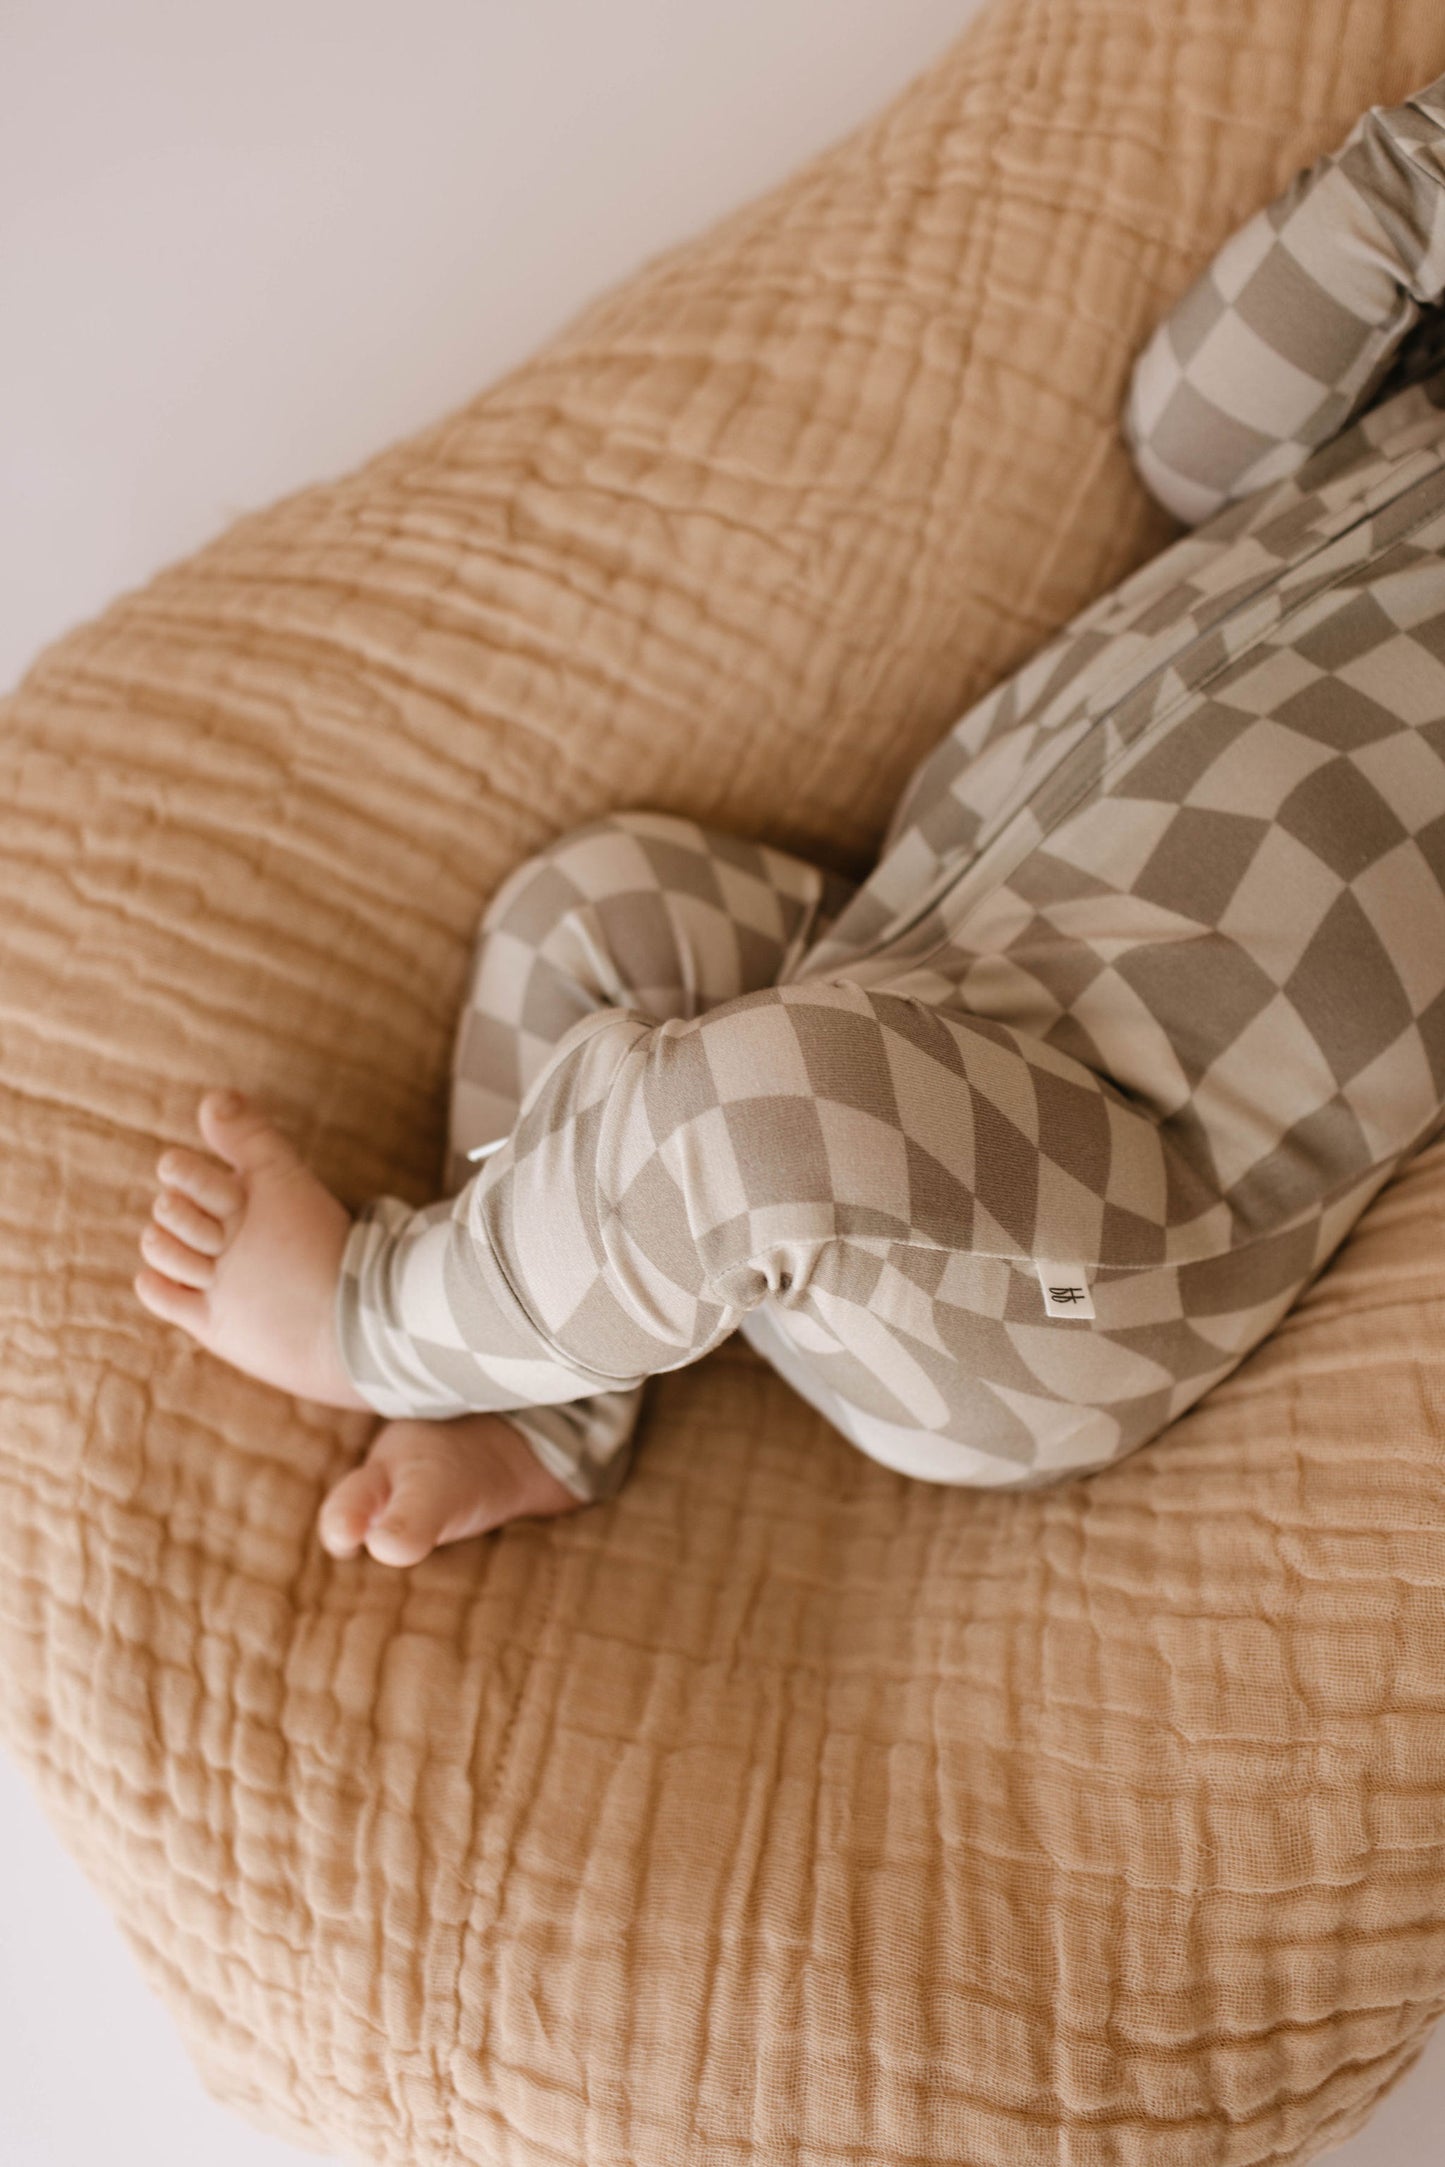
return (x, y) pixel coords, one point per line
(645, 912)
(1294, 324)
(1149, 982)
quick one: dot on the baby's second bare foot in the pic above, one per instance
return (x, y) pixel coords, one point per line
(425, 1483)
(243, 1251)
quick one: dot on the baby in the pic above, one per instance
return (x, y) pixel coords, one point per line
(1004, 1158)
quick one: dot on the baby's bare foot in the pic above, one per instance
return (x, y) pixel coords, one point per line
(425, 1483)
(243, 1251)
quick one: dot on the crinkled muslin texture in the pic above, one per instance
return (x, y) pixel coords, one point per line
(782, 1808)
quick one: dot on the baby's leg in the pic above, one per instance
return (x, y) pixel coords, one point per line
(642, 911)
(874, 1177)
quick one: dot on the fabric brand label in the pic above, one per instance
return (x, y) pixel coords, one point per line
(1065, 1289)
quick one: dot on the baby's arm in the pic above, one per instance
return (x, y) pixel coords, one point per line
(1292, 328)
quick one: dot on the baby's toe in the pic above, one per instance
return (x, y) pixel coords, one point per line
(196, 1228)
(208, 1184)
(174, 1260)
(415, 1515)
(238, 1132)
(349, 1509)
(173, 1304)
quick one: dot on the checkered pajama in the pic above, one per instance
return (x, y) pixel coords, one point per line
(1170, 1007)
(863, 1160)
(641, 912)
(1148, 983)
(1293, 326)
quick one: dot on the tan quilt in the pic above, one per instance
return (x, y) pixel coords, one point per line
(784, 1809)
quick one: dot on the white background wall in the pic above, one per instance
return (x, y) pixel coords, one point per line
(245, 246)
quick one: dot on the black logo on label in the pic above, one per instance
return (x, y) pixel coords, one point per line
(1066, 1294)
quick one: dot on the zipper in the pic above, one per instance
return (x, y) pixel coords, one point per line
(993, 863)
